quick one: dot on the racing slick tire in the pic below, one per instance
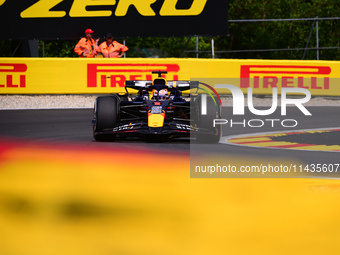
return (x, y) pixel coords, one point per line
(207, 121)
(106, 116)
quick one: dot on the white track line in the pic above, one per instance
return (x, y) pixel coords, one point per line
(225, 139)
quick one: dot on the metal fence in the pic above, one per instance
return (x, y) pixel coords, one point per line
(314, 24)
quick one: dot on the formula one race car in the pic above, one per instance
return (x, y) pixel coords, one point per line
(157, 112)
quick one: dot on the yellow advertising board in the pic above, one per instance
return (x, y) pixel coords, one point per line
(100, 76)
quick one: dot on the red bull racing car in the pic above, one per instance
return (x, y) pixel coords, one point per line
(157, 111)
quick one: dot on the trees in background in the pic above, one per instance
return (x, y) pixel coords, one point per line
(281, 35)
(243, 36)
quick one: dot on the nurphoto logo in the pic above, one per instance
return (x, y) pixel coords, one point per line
(239, 106)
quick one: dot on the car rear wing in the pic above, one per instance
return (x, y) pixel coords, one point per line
(180, 85)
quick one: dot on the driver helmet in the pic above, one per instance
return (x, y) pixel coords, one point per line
(163, 94)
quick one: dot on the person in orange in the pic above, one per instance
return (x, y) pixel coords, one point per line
(87, 47)
(112, 49)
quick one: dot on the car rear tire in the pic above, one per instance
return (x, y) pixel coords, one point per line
(207, 121)
(106, 116)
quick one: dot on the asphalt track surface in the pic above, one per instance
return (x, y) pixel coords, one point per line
(74, 126)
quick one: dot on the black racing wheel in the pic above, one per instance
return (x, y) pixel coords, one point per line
(206, 122)
(106, 115)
